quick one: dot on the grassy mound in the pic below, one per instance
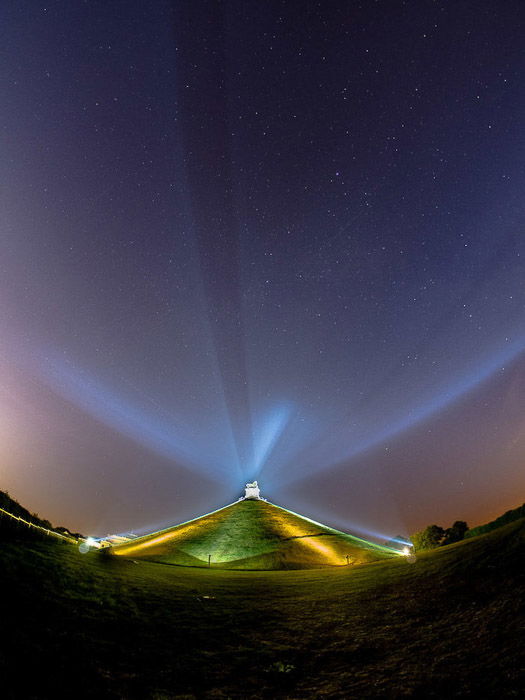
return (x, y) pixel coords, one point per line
(253, 535)
(90, 626)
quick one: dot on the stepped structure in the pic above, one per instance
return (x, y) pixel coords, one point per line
(252, 534)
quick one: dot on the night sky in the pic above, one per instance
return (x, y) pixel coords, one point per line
(268, 240)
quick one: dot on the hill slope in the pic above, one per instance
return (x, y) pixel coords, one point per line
(252, 534)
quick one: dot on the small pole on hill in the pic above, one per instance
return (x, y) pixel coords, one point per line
(209, 560)
(347, 559)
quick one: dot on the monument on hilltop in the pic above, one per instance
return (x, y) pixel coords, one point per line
(252, 534)
(252, 491)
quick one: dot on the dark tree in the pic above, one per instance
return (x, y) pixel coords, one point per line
(429, 538)
(456, 532)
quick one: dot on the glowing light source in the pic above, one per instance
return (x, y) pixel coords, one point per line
(87, 544)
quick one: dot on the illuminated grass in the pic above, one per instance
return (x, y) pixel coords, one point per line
(96, 626)
(251, 535)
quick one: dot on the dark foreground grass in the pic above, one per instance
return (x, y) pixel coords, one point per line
(87, 626)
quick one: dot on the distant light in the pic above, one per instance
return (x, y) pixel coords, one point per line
(91, 542)
(406, 551)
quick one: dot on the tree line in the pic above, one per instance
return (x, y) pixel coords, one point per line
(435, 536)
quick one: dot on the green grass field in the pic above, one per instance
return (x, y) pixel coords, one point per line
(253, 534)
(79, 626)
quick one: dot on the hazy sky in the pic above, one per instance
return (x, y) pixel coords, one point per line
(272, 240)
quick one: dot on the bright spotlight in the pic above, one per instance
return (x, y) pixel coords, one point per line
(408, 552)
(88, 544)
